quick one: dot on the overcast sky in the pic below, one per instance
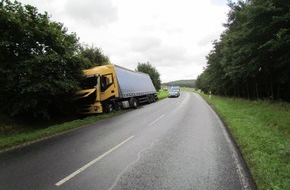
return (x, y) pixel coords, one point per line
(172, 35)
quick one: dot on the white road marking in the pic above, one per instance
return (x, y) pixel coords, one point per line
(177, 103)
(91, 163)
(156, 120)
(239, 168)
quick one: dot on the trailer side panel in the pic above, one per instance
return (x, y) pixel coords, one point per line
(133, 83)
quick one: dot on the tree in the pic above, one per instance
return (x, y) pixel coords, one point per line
(39, 67)
(94, 56)
(251, 59)
(153, 73)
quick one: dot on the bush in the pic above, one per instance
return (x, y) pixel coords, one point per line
(39, 67)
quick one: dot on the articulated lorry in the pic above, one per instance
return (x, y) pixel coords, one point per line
(110, 87)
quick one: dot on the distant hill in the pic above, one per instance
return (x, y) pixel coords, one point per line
(181, 83)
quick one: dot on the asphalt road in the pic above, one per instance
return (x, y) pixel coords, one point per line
(176, 143)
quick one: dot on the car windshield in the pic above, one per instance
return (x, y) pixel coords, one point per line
(174, 88)
(89, 82)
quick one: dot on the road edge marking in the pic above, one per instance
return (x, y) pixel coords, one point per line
(239, 166)
(92, 162)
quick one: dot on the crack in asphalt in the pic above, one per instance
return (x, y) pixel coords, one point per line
(131, 164)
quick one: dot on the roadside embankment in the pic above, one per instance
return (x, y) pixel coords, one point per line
(261, 130)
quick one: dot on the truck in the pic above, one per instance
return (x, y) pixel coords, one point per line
(110, 87)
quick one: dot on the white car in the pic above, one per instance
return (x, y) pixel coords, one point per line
(173, 93)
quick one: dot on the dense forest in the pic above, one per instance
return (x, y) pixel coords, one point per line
(252, 57)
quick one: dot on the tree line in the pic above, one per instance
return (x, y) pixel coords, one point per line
(182, 83)
(252, 58)
(41, 64)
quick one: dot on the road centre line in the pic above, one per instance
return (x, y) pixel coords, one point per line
(156, 120)
(92, 162)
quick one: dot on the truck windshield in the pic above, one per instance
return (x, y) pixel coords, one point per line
(90, 82)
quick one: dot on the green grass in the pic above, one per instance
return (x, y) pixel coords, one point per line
(16, 132)
(186, 89)
(162, 94)
(261, 129)
(19, 134)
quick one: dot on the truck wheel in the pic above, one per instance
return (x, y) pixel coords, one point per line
(109, 108)
(153, 98)
(149, 99)
(133, 103)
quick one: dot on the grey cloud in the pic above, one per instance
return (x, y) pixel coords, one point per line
(167, 54)
(219, 2)
(199, 59)
(145, 43)
(174, 30)
(208, 40)
(98, 13)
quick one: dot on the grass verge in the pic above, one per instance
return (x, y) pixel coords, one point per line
(187, 89)
(162, 94)
(13, 133)
(28, 133)
(261, 129)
